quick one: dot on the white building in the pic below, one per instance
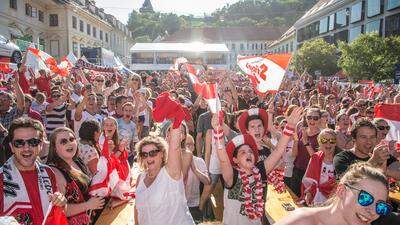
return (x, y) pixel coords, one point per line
(285, 44)
(61, 27)
(239, 40)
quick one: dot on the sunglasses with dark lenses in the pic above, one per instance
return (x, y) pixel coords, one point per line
(370, 112)
(313, 118)
(382, 208)
(55, 96)
(326, 140)
(65, 141)
(100, 81)
(33, 142)
(151, 153)
(383, 127)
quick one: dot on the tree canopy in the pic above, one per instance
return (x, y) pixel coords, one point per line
(316, 55)
(370, 57)
(278, 13)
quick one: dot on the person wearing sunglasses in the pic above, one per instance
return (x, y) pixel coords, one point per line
(27, 187)
(307, 134)
(72, 180)
(134, 84)
(360, 198)
(319, 180)
(160, 191)
(383, 128)
(366, 149)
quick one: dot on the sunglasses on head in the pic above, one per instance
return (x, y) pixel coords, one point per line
(151, 153)
(383, 127)
(326, 140)
(312, 118)
(365, 199)
(33, 142)
(65, 141)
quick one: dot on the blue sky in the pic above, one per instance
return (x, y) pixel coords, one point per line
(122, 8)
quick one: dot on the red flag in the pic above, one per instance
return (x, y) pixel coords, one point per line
(56, 217)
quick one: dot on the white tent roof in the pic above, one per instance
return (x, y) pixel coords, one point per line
(179, 47)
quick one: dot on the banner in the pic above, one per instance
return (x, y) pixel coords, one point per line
(90, 66)
(265, 72)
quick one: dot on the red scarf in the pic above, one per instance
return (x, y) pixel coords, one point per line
(254, 208)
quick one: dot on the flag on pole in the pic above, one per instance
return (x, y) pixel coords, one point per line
(391, 114)
(210, 94)
(72, 58)
(265, 72)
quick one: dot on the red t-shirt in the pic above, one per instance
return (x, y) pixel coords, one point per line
(32, 187)
(43, 84)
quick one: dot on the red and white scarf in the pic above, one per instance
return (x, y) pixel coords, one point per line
(15, 196)
(254, 208)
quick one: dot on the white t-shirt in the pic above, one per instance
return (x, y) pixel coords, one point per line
(214, 167)
(146, 114)
(85, 116)
(193, 183)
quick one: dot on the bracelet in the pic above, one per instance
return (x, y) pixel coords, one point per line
(288, 131)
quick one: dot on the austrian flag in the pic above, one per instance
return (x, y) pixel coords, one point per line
(391, 113)
(265, 72)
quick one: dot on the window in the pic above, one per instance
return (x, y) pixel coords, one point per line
(392, 25)
(41, 16)
(13, 4)
(241, 46)
(265, 46)
(107, 37)
(291, 46)
(34, 12)
(74, 22)
(233, 46)
(88, 29)
(28, 9)
(53, 20)
(323, 25)
(374, 26)
(341, 19)
(331, 22)
(252, 46)
(287, 48)
(101, 35)
(374, 7)
(81, 25)
(357, 12)
(94, 32)
(392, 4)
(75, 48)
(340, 36)
(355, 32)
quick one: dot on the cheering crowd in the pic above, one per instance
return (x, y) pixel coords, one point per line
(69, 143)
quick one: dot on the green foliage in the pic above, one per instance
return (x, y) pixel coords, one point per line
(279, 13)
(316, 55)
(370, 57)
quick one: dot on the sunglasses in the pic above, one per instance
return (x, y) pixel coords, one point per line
(55, 96)
(365, 199)
(345, 102)
(151, 153)
(326, 140)
(369, 112)
(313, 118)
(33, 142)
(383, 127)
(227, 90)
(100, 81)
(65, 141)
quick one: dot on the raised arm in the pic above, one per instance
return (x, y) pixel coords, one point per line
(174, 162)
(288, 132)
(19, 93)
(81, 107)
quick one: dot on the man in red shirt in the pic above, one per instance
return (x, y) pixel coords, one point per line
(43, 82)
(27, 188)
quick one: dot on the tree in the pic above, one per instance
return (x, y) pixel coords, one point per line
(316, 55)
(370, 57)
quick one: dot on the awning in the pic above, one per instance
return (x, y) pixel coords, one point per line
(15, 32)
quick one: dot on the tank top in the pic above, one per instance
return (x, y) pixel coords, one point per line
(163, 202)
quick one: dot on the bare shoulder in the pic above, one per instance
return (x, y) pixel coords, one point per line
(301, 216)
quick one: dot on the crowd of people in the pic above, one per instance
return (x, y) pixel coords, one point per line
(318, 138)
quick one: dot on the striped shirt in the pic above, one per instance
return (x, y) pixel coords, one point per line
(56, 118)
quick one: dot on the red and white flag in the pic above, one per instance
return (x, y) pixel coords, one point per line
(391, 113)
(210, 94)
(265, 72)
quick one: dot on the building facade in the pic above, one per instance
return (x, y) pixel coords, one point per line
(59, 27)
(239, 40)
(285, 44)
(345, 20)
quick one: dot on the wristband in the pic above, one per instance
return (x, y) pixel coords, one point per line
(288, 131)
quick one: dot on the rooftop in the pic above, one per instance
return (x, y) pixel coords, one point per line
(179, 47)
(221, 34)
(289, 33)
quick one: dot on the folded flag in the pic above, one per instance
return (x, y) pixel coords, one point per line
(265, 72)
(391, 114)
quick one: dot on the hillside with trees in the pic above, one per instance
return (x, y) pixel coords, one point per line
(147, 27)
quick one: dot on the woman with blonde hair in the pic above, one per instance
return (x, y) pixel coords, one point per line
(360, 198)
(71, 176)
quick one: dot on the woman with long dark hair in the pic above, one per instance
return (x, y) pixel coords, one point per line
(89, 149)
(71, 176)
